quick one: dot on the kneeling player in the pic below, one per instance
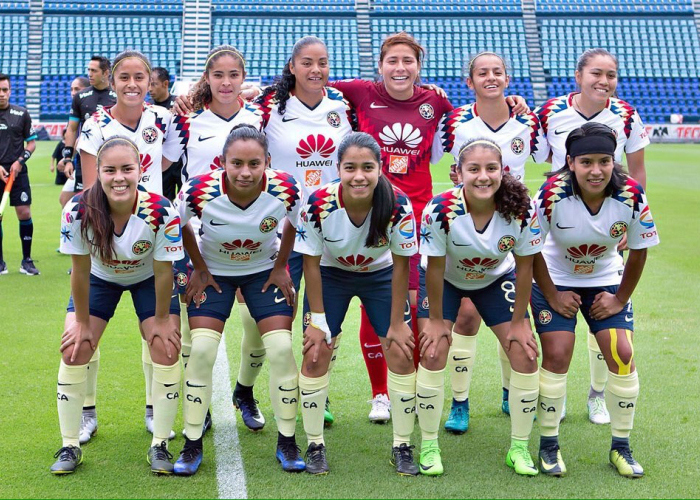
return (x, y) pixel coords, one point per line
(475, 237)
(586, 208)
(357, 238)
(121, 238)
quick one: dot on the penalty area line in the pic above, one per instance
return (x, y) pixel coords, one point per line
(230, 476)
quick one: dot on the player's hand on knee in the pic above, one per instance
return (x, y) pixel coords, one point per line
(77, 333)
(519, 332)
(167, 332)
(605, 305)
(283, 282)
(431, 335)
(314, 341)
(567, 303)
(198, 283)
(402, 337)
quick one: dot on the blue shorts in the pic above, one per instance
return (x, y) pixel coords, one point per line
(261, 305)
(295, 265)
(548, 320)
(373, 289)
(494, 302)
(104, 297)
(182, 270)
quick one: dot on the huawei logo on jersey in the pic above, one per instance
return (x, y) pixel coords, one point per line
(216, 164)
(316, 144)
(398, 133)
(246, 244)
(357, 262)
(584, 251)
(146, 162)
(478, 262)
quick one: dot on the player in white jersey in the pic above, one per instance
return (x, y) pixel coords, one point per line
(473, 239)
(357, 237)
(121, 238)
(240, 208)
(597, 78)
(585, 209)
(148, 127)
(520, 137)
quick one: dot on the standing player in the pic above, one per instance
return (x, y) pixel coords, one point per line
(16, 130)
(475, 238)
(240, 208)
(159, 91)
(357, 237)
(121, 238)
(519, 136)
(147, 126)
(585, 209)
(78, 85)
(84, 105)
(597, 77)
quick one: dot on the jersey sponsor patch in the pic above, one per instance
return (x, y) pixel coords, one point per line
(398, 164)
(312, 177)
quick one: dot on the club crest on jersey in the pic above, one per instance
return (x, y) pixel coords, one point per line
(333, 119)
(24, 197)
(268, 224)
(425, 304)
(307, 319)
(517, 146)
(381, 242)
(618, 229)
(203, 297)
(150, 135)
(181, 279)
(426, 111)
(398, 164)
(141, 247)
(506, 244)
(545, 317)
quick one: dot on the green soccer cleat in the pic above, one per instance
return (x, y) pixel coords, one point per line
(69, 458)
(160, 458)
(519, 459)
(430, 460)
(551, 462)
(621, 459)
(328, 417)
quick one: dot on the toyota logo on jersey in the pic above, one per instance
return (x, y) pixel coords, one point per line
(316, 144)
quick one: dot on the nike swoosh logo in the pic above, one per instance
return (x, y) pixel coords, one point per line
(461, 244)
(202, 139)
(278, 299)
(64, 384)
(426, 397)
(460, 359)
(628, 318)
(406, 400)
(426, 467)
(169, 385)
(376, 106)
(187, 383)
(303, 393)
(285, 119)
(218, 223)
(287, 390)
(559, 132)
(257, 356)
(528, 401)
(369, 346)
(547, 466)
(564, 227)
(332, 241)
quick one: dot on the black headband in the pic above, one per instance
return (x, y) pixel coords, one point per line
(593, 144)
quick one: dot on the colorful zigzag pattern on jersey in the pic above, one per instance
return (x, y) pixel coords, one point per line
(557, 187)
(152, 208)
(551, 108)
(203, 189)
(322, 203)
(449, 124)
(284, 187)
(533, 124)
(631, 195)
(625, 111)
(447, 207)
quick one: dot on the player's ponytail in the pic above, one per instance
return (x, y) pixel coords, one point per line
(284, 85)
(97, 227)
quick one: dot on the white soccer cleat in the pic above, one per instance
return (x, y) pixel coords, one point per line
(598, 411)
(381, 409)
(149, 426)
(88, 428)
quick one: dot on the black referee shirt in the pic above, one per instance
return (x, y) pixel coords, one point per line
(15, 129)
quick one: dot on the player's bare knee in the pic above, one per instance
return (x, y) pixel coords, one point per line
(397, 361)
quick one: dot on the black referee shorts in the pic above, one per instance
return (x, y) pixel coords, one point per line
(21, 192)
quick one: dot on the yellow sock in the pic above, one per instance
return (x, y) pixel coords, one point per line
(461, 362)
(284, 379)
(504, 362)
(336, 346)
(91, 387)
(198, 380)
(252, 349)
(147, 364)
(402, 393)
(551, 402)
(70, 397)
(621, 394)
(523, 395)
(430, 398)
(166, 400)
(599, 368)
(314, 392)
(186, 340)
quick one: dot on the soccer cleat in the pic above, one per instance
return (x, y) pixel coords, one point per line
(160, 459)
(381, 409)
(69, 457)
(505, 405)
(316, 459)
(519, 459)
(430, 460)
(149, 423)
(27, 267)
(328, 417)
(402, 459)
(458, 420)
(622, 460)
(251, 414)
(288, 455)
(3, 267)
(88, 427)
(598, 411)
(190, 458)
(551, 462)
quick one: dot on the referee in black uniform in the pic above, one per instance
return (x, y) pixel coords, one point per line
(16, 130)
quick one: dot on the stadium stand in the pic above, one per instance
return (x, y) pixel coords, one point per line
(614, 6)
(284, 6)
(447, 6)
(116, 6)
(13, 57)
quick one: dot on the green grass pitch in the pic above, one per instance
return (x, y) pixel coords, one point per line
(667, 356)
